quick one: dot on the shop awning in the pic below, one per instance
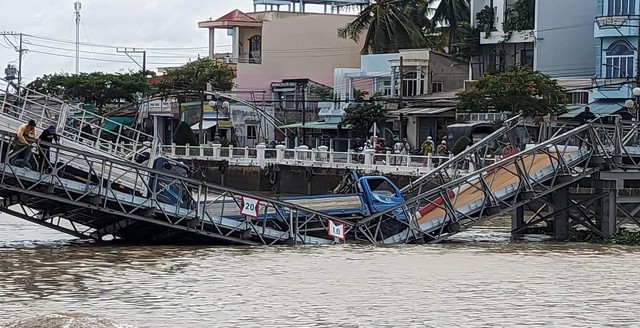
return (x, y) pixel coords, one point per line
(205, 125)
(112, 122)
(422, 111)
(598, 107)
(318, 125)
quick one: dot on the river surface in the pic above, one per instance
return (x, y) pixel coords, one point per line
(471, 284)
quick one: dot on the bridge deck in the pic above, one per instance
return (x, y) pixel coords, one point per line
(142, 203)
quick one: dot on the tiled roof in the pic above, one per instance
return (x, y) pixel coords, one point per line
(236, 16)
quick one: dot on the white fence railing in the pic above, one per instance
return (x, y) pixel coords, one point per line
(368, 160)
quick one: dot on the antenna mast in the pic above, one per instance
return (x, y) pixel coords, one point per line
(77, 6)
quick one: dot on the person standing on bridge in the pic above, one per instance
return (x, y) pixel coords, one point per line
(25, 134)
(585, 116)
(48, 136)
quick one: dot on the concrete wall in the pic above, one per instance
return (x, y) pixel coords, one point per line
(565, 43)
(296, 45)
(451, 73)
(290, 179)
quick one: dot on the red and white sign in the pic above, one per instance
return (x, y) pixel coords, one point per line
(336, 230)
(249, 207)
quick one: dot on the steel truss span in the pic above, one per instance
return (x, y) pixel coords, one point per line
(97, 186)
(443, 202)
(136, 203)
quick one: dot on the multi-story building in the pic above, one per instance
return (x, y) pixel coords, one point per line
(551, 36)
(616, 30)
(274, 45)
(426, 79)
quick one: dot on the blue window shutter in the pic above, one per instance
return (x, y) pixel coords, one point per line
(600, 8)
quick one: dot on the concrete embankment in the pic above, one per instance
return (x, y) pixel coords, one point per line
(281, 179)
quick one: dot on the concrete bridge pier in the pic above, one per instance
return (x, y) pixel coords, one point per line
(517, 222)
(561, 213)
(606, 210)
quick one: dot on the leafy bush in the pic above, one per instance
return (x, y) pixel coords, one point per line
(461, 145)
(184, 135)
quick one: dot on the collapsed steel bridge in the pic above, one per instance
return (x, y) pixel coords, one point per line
(98, 186)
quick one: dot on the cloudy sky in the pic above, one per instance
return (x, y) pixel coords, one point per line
(167, 28)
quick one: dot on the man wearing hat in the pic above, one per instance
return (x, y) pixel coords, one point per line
(48, 136)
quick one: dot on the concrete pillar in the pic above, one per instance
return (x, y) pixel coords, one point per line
(517, 221)
(212, 42)
(393, 82)
(323, 153)
(606, 207)
(216, 150)
(368, 156)
(260, 154)
(280, 152)
(236, 43)
(561, 220)
(419, 90)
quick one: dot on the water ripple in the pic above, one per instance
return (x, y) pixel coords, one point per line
(495, 284)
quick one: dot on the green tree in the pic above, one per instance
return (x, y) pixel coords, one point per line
(460, 145)
(390, 25)
(359, 95)
(451, 13)
(322, 92)
(469, 43)
(184, 135)
(192, 80)
(98, 88)
(519, 90)
(362, 116)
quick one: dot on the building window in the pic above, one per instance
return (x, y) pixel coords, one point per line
(436, 87)
(410, 84)
(619, 61)
(574, 98)
(621, 7)
(290, 101)
(384, 87)
(252, 132)
(255, 49)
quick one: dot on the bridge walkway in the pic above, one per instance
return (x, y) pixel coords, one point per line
(442, 204)
(168, 208)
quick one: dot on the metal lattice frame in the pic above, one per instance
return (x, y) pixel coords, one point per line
(526, 181)
(22, 104)
(114, 197)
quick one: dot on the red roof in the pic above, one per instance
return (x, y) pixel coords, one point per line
(236, 16)
(155, 80)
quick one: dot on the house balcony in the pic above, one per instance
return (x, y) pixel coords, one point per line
(516, 37)
(615, 88)
(243, 59)
(616, 26)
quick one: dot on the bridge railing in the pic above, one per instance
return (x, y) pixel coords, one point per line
(467, 200)
(320, 157)
(73, 122)
(109, 187)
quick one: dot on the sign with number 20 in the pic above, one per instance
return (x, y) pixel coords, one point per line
(250, 207)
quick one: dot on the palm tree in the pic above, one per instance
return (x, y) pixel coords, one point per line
(390, 25)
(452, 13)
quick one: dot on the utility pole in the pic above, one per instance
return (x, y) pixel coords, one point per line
(19, 49)
(401, 96)
(304, 113)
(128, 51)
(77, 6)
(20, 62)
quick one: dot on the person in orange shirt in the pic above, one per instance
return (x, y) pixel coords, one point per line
(22, 148)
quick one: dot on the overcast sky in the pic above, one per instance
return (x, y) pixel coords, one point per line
(130, 23)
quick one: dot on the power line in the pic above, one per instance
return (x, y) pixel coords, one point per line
(102, 60)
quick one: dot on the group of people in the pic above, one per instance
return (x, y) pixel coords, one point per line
(26, 138)
(429, 148)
